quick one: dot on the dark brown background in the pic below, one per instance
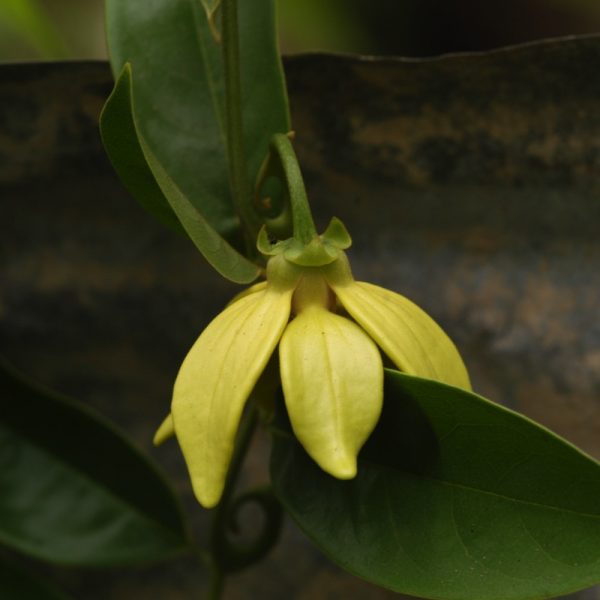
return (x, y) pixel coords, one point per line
(470, 184)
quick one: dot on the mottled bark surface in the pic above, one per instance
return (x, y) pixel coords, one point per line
(470, 184)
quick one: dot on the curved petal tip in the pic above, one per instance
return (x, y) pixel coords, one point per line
(164, 431)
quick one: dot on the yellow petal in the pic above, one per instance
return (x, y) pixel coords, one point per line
(215, 381)
(253, 289)
(414, 342)
(332, 378)
(165, 431)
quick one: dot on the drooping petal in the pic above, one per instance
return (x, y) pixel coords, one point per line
(332, 378)
(253, 289)
(414, 342)
(215, 381)
(165, 430)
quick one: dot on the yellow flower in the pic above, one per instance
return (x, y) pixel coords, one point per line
(329, 329)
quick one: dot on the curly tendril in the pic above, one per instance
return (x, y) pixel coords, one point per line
(234, 555)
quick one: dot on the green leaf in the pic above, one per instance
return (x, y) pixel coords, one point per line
(455, 498)
(211, 6)
(29, 19)
(18, 584)
(178, 90)
(120, 139)
(142, 173)
(74, 490)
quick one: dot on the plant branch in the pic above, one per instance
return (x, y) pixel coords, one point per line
(217, 581)
(221, 519)
(241, 189)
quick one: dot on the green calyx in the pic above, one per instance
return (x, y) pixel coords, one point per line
(304, 248)
(319, 251)
(311, 284)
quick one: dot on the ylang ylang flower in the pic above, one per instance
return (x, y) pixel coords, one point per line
(330, 331)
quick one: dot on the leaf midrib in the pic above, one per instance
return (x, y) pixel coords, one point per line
(210, 78)
(451, 484)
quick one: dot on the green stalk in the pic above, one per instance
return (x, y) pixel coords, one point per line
(217, 583)
(302, 220)
(241, 188)
(220, 521)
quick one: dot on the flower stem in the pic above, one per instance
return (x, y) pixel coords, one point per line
(247, 428)
(221, 519)
(241, 188)
(302, 219)
(217, 583)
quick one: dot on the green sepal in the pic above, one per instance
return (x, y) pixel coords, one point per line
(304, 248)
(317, 253)
(266, 247)
(337, 235)
(320, 251)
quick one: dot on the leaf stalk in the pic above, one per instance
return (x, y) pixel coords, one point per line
(241, 189)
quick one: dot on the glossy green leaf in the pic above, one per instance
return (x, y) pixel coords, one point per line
(142, 173)
(178, 86)
(456, 498)
(16, 584)
(120, 139)
(73, 490)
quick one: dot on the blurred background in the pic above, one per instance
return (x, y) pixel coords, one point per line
(71, 29)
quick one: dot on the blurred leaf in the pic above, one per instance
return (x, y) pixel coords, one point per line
(333, 26)
(142, 172)
(16, 584)
(75, 491)
(28, 19)
(211, 6)
(455, 498)
(586, 8)
(178, 89)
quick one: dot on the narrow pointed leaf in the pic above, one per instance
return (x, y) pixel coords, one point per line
(142, 172)
(217, 251)
(179, 85)
(456, 498)
(73, 490)
(19, 585)
(120, 139)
